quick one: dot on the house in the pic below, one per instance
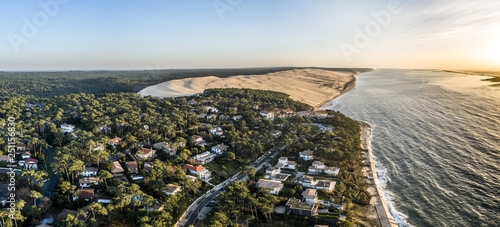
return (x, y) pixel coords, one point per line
(84, 193)
(211, 109)
(331, 170)
(99, 146)
(25, 155)
(117, 170)
(306, 155)
(31, 163)
(192, 178)
(83, 216)
(89, 172)
(279, 177)
(192, 102)
(310, 196)
(20, 147)
(321, 184)
(217, 131)
(275, 133)
(219, 149)
(267, 114)
(115, 141)
(170, 149)
(297, 207)
(68, 128)
(155, 207)
(271, 170)
(6, 158)
(88, 182)
(283, 162)
(337, 202)
(316, 167)
(171, 189)
(148, 166)
(273, 186)
(146, 153)
(198, 140)
(204, 157)
(287, 111)
(132, 167)
(237, 117)
(103, 128)
(202, 172)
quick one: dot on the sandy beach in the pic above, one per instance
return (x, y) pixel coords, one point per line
(312, 86)
(378, 206)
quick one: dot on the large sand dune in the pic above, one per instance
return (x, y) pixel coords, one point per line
(311, 86)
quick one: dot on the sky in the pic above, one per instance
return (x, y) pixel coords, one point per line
(164, 34)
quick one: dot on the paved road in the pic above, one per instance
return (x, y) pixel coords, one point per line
(49, 186)
(191, 214)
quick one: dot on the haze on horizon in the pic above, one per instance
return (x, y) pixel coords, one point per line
(91, 34)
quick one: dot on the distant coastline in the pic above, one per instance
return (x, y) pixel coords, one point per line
(495, 76)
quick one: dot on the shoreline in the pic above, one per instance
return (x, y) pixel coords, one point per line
(377, 202)
(349, 86)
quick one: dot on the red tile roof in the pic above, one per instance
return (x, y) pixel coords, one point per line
(86, 193)
(193, 168)
(31, 161)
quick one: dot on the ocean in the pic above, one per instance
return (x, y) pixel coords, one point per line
(436, 143)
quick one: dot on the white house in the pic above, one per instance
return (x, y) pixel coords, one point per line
(25, 155)
(201, 171)
(171, 189)
(317, 167)
(332, 170)
(217, 131)
(204, 157)
(306, 155)
(267, 114)
(31, 163)
(211, 109)
(89, 172)
(273, 186)
(321, 184)
(271, 170)
(68, 128)
(310, 195)
(283, 162)
(219, 149)
(146, 153)
(88, 182)
(237, 117)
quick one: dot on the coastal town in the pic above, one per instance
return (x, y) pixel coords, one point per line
(122, 158)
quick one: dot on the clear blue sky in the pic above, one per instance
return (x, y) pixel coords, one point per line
(126, 34)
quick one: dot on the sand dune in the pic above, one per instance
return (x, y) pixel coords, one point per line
(311, 86)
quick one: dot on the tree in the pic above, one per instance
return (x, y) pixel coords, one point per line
(68, 189)
(35, 175)
(35, 195)
(230, 156)
(103, 175)
(72, 221)
(97, 208)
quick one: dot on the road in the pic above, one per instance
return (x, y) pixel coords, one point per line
(49, 186)
(191, 214)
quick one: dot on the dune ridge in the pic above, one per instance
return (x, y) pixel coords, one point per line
(311, 86)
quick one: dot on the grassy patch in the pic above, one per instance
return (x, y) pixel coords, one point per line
(225, 170)
(323, 196)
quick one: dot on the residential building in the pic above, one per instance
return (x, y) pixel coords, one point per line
(132, 167)
(279, 176)
(283, 162)
(219, 149)
(148, 166)
(170, 149)
(89, 172)
(88, 182)
(217, 131)
(273, 186)
(337, 202)
(25, 155)
(275, 133)
(68, 128)
(31, 163)
(21, 147)
(316, 167)
(204, 157)
(267, 114)
(306, 155)
(155, 207)
(171, 189)
(6, 158)
(146, 153)
(321, 184)
(85, 193)
(211, 109)
(202, 172)
(271, 170)
(310, 195)
(117, 170)
(331, 170)
(297, 207)
(192, 178)
(198, 140)
(237, 117)
(115, 141)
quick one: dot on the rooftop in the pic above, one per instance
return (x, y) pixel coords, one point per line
(269, 184)
(194, 168)
(299, 205)
(306, 152)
